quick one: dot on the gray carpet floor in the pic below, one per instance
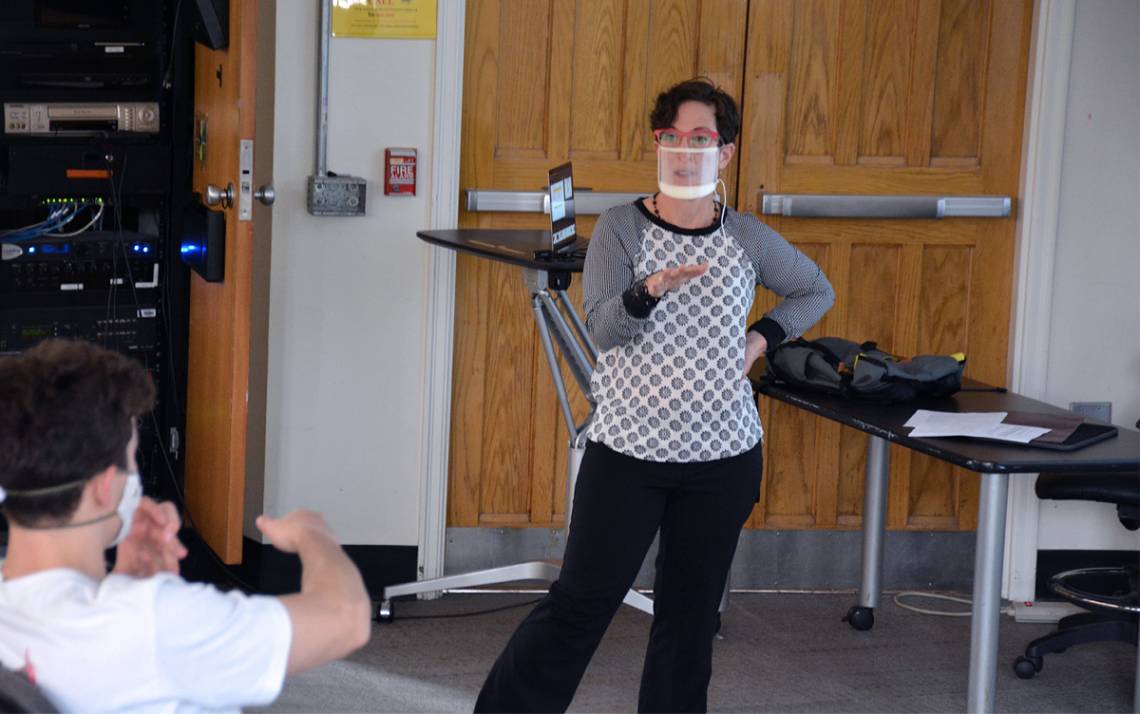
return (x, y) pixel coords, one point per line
(776, 653)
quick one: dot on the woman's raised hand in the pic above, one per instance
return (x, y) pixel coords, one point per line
(668, 279)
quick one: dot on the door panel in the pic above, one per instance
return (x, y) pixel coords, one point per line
(218, 388)
(862, 97)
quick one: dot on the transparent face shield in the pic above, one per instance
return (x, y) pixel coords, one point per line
(687, 173)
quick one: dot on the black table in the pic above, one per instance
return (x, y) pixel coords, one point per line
(517, 247)
(884, 424)
(547, 281)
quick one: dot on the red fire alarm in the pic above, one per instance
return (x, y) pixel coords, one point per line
(399, 172)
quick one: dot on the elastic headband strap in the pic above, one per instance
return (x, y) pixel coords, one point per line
(58, 488)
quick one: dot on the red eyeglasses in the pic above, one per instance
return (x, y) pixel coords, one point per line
(695, 139)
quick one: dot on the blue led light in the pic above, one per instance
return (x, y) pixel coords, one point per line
(32, 250)
(190, 248)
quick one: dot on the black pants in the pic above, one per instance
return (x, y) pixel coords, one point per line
(619, 504)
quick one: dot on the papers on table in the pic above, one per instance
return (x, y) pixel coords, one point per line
(982, 425)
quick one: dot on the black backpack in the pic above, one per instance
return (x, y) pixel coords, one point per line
(837, 366)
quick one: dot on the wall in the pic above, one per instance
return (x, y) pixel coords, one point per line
(1095, 326)
(348, 295)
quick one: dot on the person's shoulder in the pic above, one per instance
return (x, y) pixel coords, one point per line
(171, 597)
(623, 212)
(747, 221)
(127, 588)
(48, 590)
(749, 229)
(619, 219)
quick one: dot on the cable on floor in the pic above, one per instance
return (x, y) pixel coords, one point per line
(934, 596)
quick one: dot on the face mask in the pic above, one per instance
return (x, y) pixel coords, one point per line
(686, 173)
(128, 504)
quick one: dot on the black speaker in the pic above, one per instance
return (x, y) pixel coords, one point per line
(203, 245)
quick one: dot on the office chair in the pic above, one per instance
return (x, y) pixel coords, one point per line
(1111, 594)
(20, 696)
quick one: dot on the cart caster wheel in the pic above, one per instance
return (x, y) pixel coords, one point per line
(860, 618)
(384, 613)
(1025, 667)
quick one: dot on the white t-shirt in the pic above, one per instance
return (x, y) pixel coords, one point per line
(155, 644)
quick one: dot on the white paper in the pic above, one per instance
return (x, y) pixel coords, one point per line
(930, 423)
(984, 425)
(1013, 432)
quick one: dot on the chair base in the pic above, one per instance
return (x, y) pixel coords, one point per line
(1075, 630)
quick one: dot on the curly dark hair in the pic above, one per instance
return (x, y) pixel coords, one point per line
(700, 90)
(67, 412)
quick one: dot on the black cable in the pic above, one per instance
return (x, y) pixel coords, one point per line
(454, 615)
(166, 80)
(116, 193)
(184, 508)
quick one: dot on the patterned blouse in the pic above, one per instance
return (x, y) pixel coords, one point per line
(671, 386)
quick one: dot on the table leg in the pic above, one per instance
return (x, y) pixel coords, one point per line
(862, 616)
(990, 550)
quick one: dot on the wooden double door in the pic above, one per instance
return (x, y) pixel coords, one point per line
(837, 97)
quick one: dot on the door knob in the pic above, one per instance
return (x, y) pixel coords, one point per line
(220, 197)
(266, 194)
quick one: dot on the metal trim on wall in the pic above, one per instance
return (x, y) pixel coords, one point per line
(883, 206)
(586, 203)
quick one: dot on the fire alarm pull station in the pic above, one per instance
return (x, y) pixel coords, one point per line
(399, 172)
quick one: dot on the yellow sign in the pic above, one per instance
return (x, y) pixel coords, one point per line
(384, 18)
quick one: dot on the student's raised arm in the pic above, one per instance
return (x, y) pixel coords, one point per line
(332, 615)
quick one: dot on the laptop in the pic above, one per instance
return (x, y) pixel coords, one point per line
(1084, 435)
(565, 243)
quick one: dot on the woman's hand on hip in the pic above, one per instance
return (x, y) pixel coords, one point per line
(754, 346)
(668, 279)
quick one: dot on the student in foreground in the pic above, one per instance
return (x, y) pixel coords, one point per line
(139, 638)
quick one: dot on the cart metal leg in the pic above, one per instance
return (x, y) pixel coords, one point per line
(990, 551)
(862, 616)
(578, 350)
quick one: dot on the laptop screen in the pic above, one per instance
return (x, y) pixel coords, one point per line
(561, 189)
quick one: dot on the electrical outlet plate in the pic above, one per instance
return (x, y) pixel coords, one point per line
(337, 195)
(1100, 411)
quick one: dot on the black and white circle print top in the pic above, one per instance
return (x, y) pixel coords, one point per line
(671, 387)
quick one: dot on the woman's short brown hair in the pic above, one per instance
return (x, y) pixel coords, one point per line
(700, 90)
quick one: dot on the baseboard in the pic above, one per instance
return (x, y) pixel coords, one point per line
(781, 560)
(270, 571)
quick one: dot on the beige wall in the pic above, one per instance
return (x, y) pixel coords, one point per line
(1095, 351)
(348, 295)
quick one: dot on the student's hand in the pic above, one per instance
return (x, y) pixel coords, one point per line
(152, 545)
(754, 346)
(668, 279)
(289, 531)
